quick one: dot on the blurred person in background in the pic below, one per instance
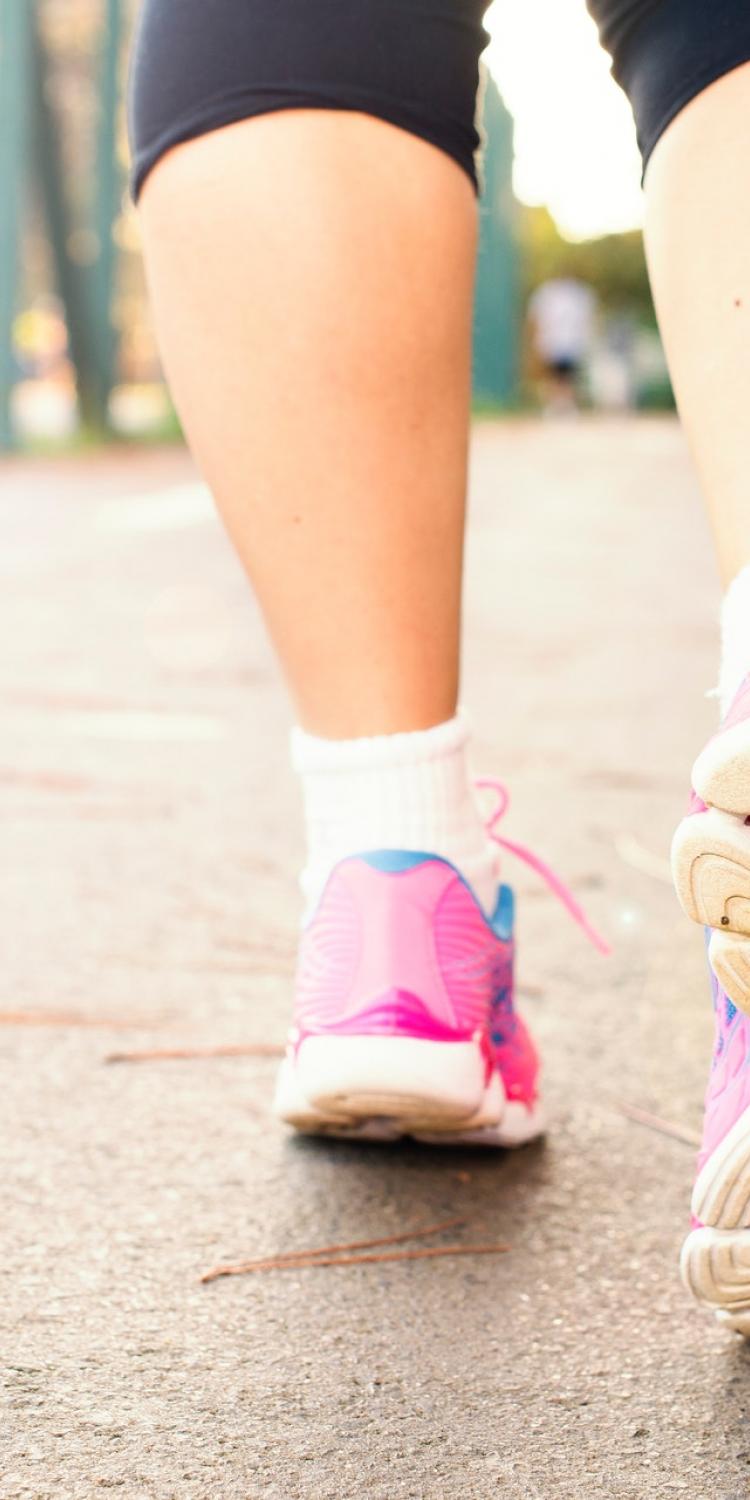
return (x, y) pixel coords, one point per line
(306, 175)
(562, 321)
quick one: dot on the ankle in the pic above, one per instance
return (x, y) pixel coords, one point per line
(410, 791)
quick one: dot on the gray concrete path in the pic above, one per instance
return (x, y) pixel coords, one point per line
(149, 839)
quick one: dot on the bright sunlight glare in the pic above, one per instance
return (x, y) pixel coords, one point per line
(574, 133)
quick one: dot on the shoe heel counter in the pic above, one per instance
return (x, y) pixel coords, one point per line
(398, 946)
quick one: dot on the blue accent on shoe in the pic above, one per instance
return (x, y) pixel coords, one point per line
(502, 917)
(393, 861)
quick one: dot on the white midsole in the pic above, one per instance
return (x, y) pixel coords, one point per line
(385, 1087)
(715, 1259)
(444, 1078)
(729, 957)
(715, 1265)
(711, 858)
(711, 869)
(721, 774)
(721, 1195)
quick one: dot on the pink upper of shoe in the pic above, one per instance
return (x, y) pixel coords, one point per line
(399, 946)
(728, 1092)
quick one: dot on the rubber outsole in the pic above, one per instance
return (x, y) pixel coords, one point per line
(715, 1260)
(711, 867)
(721, 1195)
(729, 957)
(386, 1088)
(721, 773)
(715, 1265)
(711, 871)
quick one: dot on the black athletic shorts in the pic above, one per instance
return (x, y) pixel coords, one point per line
(199, 64)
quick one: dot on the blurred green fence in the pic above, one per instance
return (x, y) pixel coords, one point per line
(66, 222)
(36, 175)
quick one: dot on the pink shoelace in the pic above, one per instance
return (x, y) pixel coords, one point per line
(556, 885)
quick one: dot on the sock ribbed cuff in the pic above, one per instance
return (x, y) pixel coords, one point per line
(401, 791)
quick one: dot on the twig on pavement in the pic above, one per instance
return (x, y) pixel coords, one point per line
(305, 1257)
(664, 1127)
(64, 1018)
(186, 1054)
(425, 1253)
(635, 854)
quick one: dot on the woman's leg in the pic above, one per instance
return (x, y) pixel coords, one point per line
(311, 273)
(686, 67)
(698, 242)
(311, 277)
(305, 172)
(306, 179)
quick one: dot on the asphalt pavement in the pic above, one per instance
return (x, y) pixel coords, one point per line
(150, 842)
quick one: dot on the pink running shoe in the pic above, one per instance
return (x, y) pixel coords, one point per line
(405, 1022)
(711, 849)
(716, 1254)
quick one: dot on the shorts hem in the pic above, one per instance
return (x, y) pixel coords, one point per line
(691, 90)
(217, 115)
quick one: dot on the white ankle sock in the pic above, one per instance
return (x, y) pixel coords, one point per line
(735, 638)
(393, 791)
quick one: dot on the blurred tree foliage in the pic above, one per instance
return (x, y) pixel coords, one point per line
(614, 265)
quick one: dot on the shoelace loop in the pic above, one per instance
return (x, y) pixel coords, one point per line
(556, 885)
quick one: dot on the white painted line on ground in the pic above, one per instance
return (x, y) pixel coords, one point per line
(172, 509)
(136, 725)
